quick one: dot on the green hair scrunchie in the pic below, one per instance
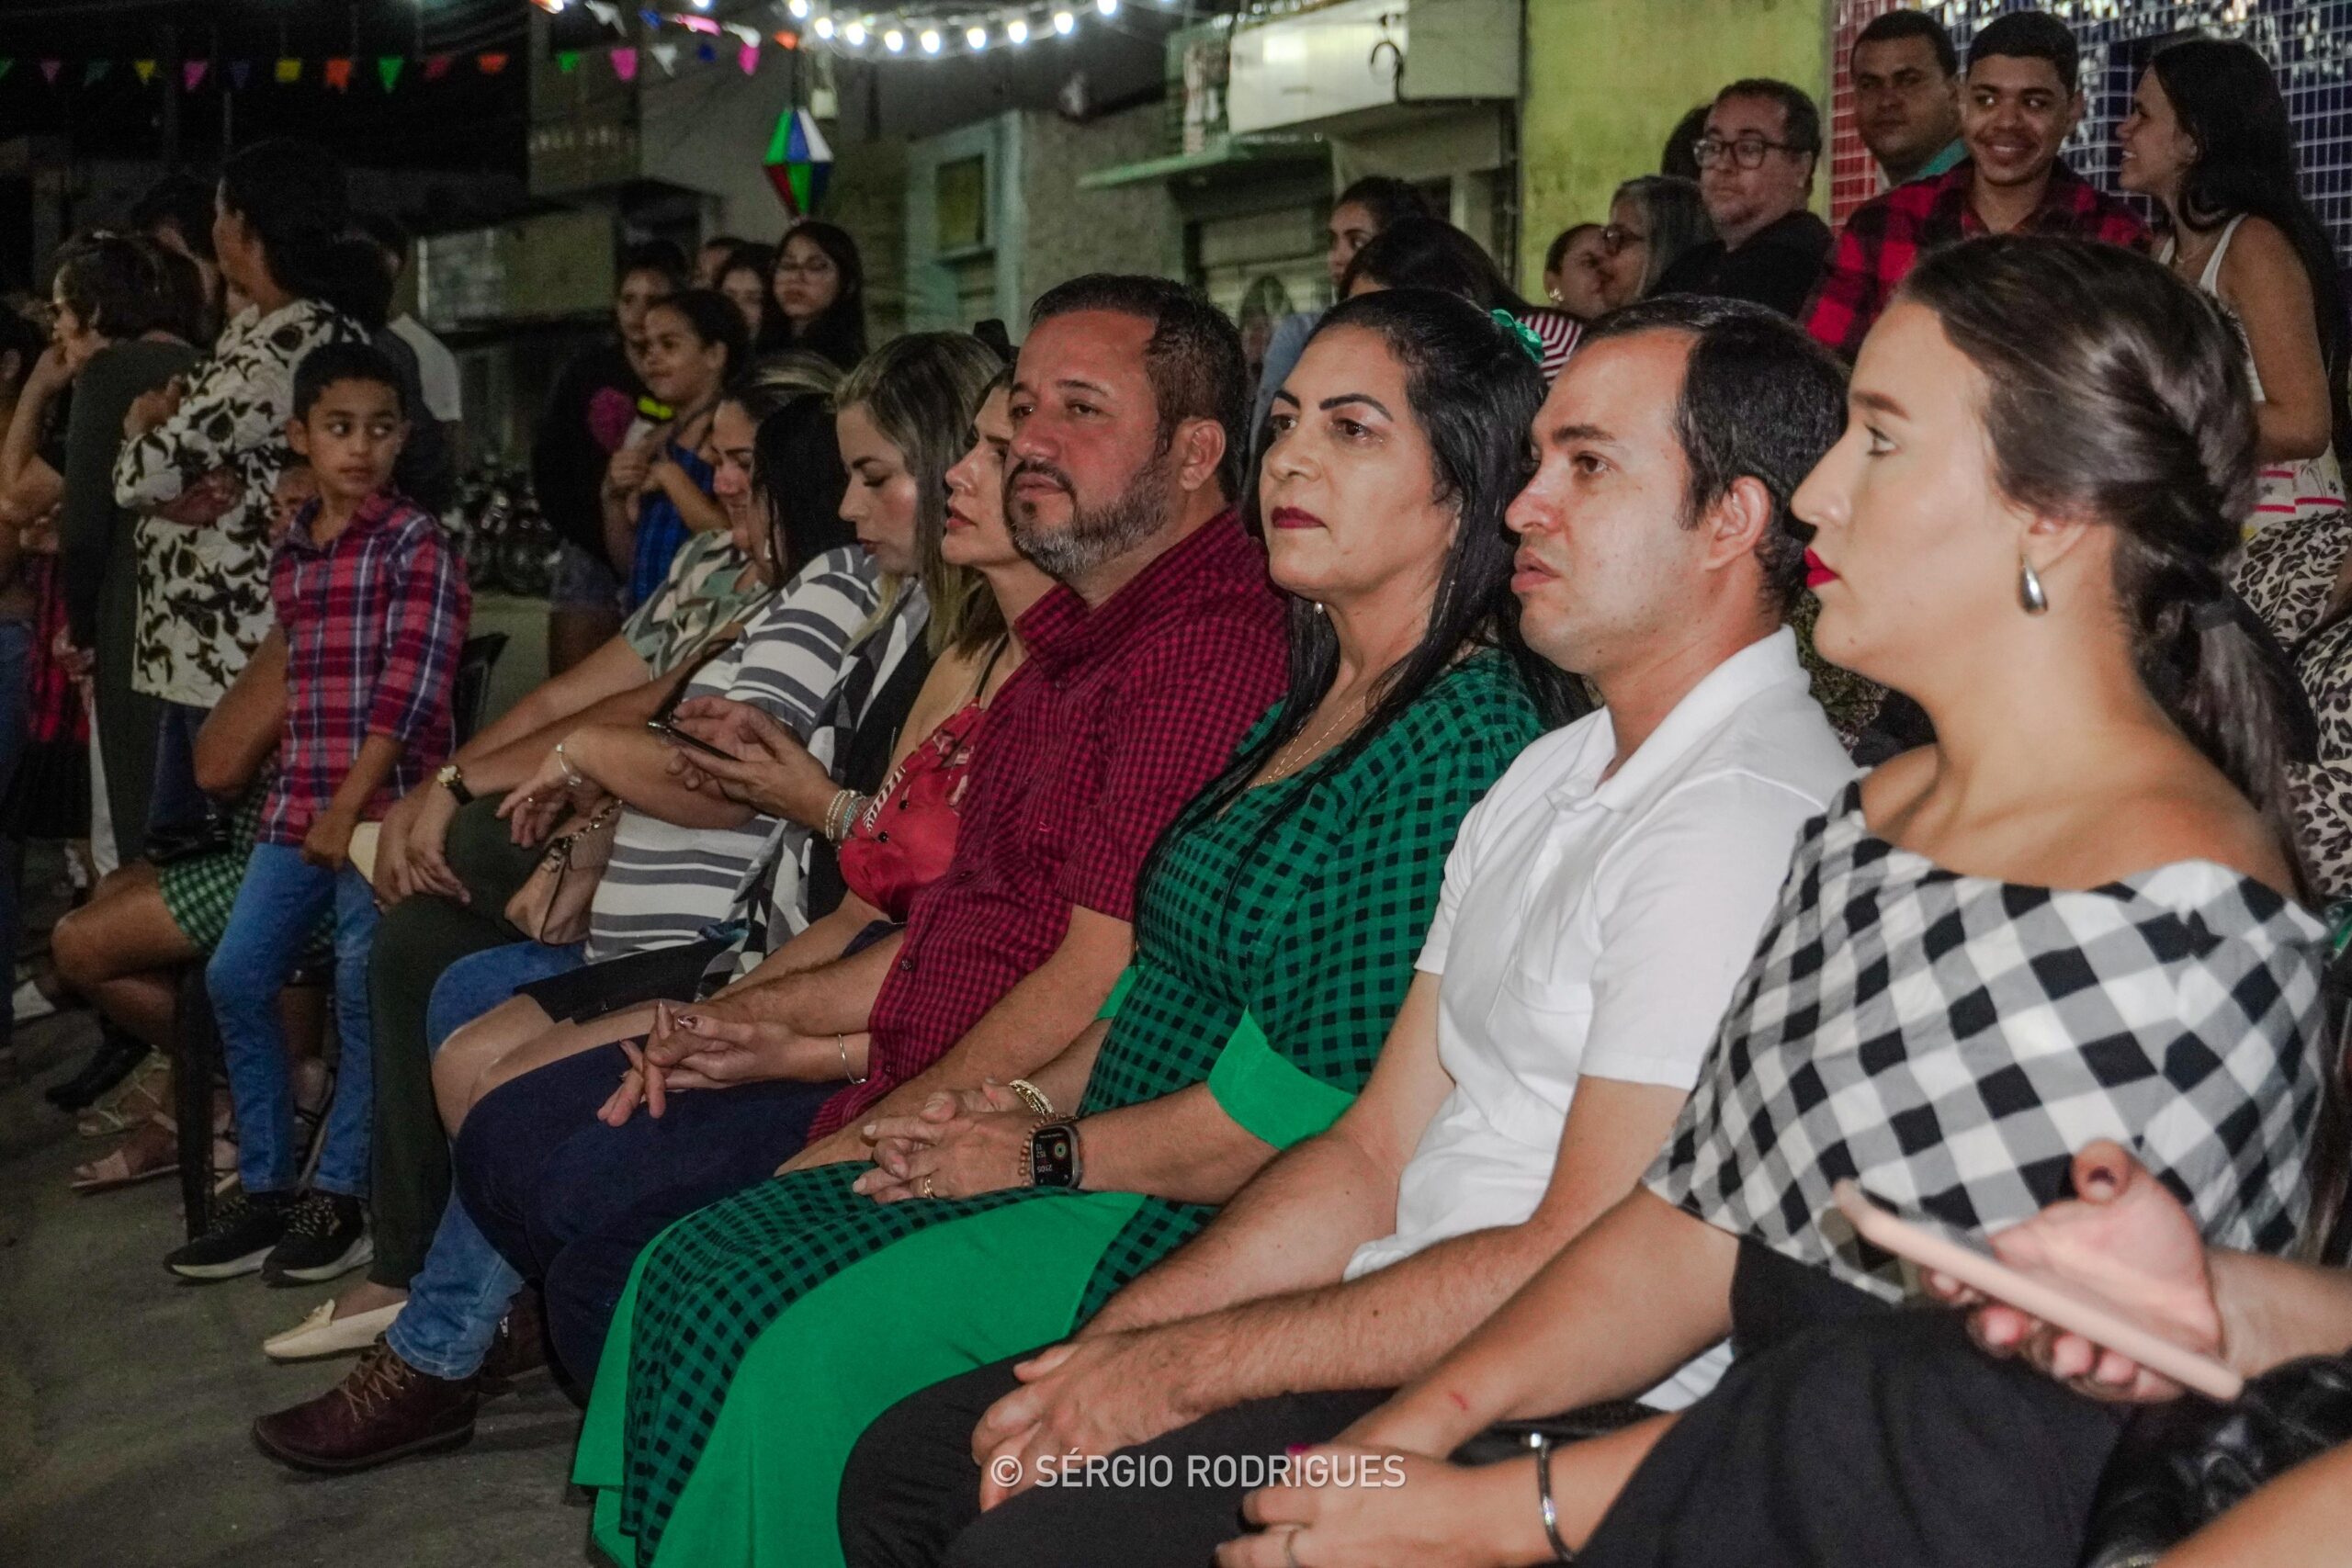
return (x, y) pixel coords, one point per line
(1520, 332)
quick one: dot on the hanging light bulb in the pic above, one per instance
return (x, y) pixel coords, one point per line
(855, 34)
(1064, 23)
(1016, 31)
(894, 41)
(824, 26)
(1108, 8)
(929, 40)
(799, 9)
(977, 37)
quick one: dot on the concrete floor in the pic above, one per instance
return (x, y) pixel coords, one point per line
(125, 1395)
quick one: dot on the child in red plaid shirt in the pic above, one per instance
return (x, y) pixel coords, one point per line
(371, 606)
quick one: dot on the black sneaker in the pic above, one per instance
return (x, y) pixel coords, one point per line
(245, 1225)
(326, 1234)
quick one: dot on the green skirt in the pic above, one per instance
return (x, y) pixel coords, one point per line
(963, 1283)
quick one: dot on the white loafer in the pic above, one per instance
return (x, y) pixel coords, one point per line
(324, 1334)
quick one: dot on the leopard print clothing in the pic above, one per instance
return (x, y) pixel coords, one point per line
(2288, 575)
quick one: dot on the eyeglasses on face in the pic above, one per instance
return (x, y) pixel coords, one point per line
(1617, 236)
(1746, 152)
(816, 266)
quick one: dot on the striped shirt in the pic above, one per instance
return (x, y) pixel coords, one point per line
(665, 883)
(374, 621)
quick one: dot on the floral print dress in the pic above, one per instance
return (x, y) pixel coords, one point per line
(204, 589)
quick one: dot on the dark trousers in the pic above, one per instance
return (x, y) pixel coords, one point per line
(570, 1203)
(910, 1497)
(416, 940)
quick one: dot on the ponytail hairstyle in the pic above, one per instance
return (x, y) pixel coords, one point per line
(796, 463)
(294, 197)
(713, 318)
(923, 391)
(2117, 392)
(122, 287)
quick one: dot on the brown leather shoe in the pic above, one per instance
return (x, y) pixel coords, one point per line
(520, 1350)
(383, 1410)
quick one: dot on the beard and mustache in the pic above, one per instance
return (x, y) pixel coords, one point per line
(1095, 534)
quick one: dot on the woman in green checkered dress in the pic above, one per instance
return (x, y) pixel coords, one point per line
(1276, 932)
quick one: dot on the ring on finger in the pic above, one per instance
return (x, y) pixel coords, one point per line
(1290, 1547)
(924, 1188)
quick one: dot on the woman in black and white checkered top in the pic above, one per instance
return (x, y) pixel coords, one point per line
(2074, 917)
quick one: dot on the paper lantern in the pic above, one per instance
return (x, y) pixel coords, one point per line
(799, 163)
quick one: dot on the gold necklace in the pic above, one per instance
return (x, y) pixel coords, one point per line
(1282, 770)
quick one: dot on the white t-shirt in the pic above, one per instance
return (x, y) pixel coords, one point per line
(436, 370)
(1598, 928)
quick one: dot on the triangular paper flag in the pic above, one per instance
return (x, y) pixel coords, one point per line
(96, 71)
(610, 16)
(192, 73)
(665, 55)
(389, 68)
(50, 68)
(339, 73)
(749, 35)
(490, 65)
(436, 66)
(650, 18)
(289, 70)
(748, 57)
(706, 53)
(568, 61)
(624, 63)
(146, 69)
(698, 24)
(787, 40)
(240, 73)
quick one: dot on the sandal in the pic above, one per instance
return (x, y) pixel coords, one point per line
(136, 1100)
(152, 1151)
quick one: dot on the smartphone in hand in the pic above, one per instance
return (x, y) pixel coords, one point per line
(2072, 1307)
(677, 737)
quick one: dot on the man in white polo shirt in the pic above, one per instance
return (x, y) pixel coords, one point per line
(1599, 907)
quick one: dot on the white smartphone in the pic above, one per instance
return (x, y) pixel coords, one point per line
(2068, 1306)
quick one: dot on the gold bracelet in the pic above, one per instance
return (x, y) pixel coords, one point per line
(841, 1044)
(1031, 1096)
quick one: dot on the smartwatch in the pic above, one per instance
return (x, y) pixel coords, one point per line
(450, 779)
(1052, 1155)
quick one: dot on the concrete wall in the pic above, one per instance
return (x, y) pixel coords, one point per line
(1606, 79)
(1068, 231)
(708, 129)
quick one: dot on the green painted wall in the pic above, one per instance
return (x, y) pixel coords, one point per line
(1606, 79)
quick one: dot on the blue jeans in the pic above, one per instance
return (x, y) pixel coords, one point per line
(177, 799)
(457, 1299)
(278, 904)
(16, 718)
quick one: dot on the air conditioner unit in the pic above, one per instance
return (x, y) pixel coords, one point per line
(1362, 63)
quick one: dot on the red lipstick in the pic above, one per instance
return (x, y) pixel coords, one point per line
(1293, 517)
(1815, 572)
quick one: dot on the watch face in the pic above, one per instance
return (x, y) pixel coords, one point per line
(1052, 1155)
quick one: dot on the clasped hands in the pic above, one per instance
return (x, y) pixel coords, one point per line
(699, 1046)
(960, 1144)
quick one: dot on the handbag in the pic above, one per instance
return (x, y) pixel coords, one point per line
(553, 902)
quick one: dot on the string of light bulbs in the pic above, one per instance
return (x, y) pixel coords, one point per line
(885, 34)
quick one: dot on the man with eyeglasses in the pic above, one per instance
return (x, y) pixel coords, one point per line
(1755, 162)
(2020, 101)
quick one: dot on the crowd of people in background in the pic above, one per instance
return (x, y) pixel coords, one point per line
(1168, 946)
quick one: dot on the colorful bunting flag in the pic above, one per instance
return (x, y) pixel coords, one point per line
(665, 55)
(239, 70)
(567, 60)
(490, 65)
(49, 70)
(389, 68)
(749, 35)
(706, 53)
(436, 66)
(650, 18)
(96, 71)
(339, 73)
(289, 70)
(624, 63)
(698, 24)
(609, 15)
(146, 69)
(748, 57)
(192, 73)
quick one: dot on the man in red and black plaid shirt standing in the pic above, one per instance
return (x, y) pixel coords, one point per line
(2021, 99)
(371, 607)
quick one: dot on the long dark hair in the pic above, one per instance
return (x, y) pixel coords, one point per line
(294, 197)
(123, 286)
(714, 320)
(795, 463)
(839, 331)
(2117, 392)
(2230, 105)
(1474, 392)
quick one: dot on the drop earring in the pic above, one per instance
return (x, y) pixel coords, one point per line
(2030, 598)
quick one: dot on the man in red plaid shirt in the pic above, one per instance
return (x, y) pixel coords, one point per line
(2020, 101)
(371, 607)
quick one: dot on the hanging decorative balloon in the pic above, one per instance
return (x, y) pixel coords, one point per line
(799, 163)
